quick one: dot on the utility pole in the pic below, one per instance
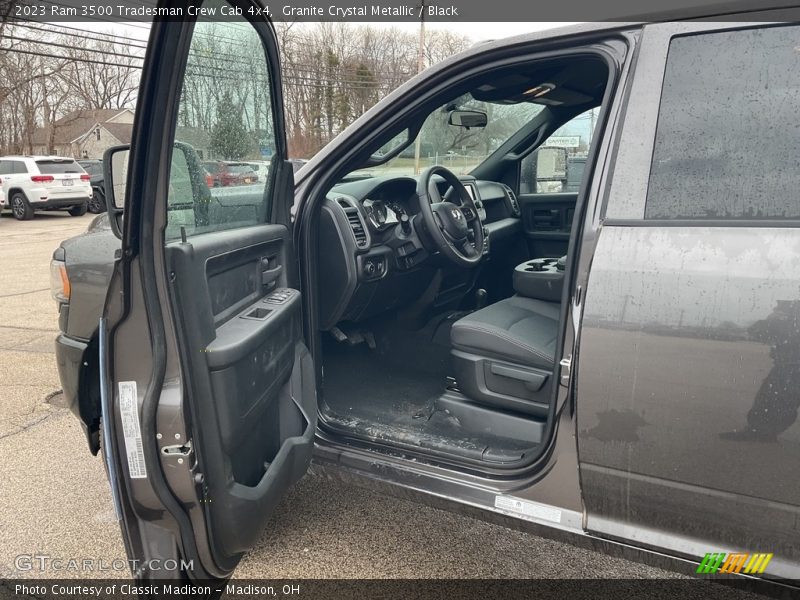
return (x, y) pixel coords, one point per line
(48, 120)
(420, 68)
(421, 53)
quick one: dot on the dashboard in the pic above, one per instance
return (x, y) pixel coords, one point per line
(373, 246)
(387, 204)
(384, 211)
(381, 214)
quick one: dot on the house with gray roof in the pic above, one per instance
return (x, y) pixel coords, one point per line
(85, 133)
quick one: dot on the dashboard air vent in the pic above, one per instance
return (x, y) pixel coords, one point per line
(356, 224)
(512, 198)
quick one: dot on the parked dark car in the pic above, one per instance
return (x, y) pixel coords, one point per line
(616, 366)
(94, 167)
(225, 173)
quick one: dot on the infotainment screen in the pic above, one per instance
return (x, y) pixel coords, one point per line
(470, 190)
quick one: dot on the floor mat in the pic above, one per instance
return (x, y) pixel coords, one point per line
(388, 395)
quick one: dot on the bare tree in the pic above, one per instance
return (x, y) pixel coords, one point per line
(7, 8)
(109, 82)
(332, 73)
(33, 91)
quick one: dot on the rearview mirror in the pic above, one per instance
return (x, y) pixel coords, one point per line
(115, 179)
(467, 118)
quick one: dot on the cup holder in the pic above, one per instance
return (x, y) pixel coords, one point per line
(539, 278)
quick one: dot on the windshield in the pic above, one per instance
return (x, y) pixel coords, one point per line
(460, 149)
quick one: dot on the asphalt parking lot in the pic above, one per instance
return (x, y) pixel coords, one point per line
(54, 499)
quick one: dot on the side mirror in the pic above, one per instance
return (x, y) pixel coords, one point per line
(550, 169)
(394, 147)
(115, 178)
(189, 197)
(467, 118)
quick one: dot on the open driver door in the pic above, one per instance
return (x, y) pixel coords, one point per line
(208, 390)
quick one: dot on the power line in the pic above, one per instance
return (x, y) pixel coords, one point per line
(306, 82)
(98, 37)
(116, 35)
(286, 75)
(295, 64)
(301, 37)
(50, 43)
(97, 18)
(87, 60)
(231, 57)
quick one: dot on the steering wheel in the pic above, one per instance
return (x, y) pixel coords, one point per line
(454, 229)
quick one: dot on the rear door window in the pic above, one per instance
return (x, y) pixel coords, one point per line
(726, 144)
(18, 167)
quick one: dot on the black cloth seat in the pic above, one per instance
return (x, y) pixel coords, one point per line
(518, 329)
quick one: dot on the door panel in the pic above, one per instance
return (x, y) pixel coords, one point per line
(547, 222)
(253, 379)
(688, 334)
(227, 399)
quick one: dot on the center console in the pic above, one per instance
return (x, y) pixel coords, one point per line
(540, 278)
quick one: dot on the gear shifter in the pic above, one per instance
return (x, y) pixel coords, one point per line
(481, 297)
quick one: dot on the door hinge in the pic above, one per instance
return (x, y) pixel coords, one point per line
(566, 370)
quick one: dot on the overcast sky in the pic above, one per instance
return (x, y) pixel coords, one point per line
(476, 31)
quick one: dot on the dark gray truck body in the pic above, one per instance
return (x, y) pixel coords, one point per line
(686, 328)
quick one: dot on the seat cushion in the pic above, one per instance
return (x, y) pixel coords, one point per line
(517, 329)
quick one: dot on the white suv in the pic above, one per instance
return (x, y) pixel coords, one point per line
(261, 167)
(43, 183)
